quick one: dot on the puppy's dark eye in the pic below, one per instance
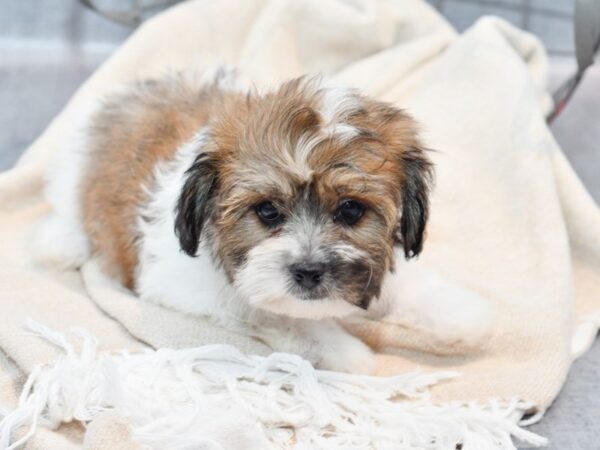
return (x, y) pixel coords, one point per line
(349, 212)
(268, 213)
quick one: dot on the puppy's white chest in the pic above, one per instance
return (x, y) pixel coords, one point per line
(175, 280)
(165, 274)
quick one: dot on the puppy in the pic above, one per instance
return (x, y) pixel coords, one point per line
(272, 213)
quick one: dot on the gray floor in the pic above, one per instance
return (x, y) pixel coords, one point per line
(48, 48)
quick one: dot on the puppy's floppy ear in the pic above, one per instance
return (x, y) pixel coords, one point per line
(195, 201)
(414, 200)
(398, 131)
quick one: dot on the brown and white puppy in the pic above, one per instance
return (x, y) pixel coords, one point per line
(269, 212)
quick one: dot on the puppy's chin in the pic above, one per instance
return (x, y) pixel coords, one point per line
(305, 309)
(270, 291)
(264, 282)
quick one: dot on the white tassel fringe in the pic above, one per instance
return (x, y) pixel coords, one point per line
(214, 397)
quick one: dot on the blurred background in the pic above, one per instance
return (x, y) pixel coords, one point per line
(49, 47)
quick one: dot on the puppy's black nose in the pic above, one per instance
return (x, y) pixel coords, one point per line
(308, 275)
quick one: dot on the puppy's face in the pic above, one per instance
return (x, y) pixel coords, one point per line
(302, 195)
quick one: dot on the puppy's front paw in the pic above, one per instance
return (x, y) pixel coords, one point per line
(353, 356)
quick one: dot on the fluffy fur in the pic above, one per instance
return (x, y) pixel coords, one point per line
(166, 183)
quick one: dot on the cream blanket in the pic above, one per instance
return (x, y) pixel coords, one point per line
(510, 219)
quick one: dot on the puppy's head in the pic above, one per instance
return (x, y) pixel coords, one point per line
(302, 194)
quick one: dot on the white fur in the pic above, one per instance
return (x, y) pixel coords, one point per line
(166, 275)
(61, 240)
(342, 132)
(336, 105)
(302, 151)
(323, 342)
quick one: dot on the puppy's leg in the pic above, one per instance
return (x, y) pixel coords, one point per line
(323, 342)
(338, 350)
(439, 315)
